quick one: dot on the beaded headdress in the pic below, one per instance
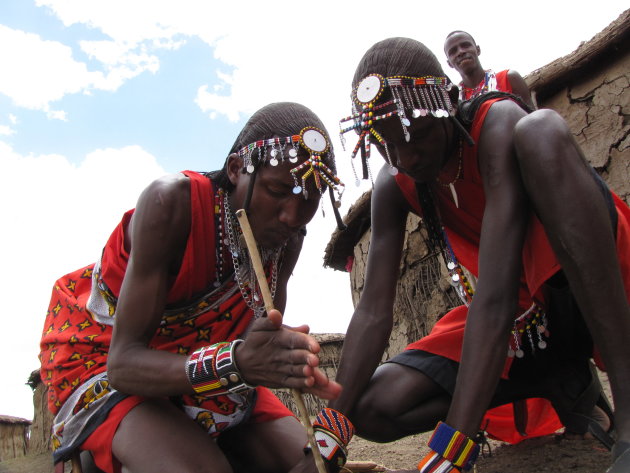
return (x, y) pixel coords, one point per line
(276, 150)
(421, 96)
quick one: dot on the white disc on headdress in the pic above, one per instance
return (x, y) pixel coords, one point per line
(368, 89)
(314, 140)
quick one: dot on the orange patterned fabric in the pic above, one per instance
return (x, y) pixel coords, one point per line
(78, 327)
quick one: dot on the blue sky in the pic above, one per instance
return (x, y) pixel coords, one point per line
(99, 97)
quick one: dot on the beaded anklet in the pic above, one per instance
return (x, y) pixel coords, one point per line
(452, 451)
(212, 370)
(333, 432)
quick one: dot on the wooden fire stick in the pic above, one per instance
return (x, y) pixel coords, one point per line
(252, 247)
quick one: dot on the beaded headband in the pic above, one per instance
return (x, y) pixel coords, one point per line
(314, 141)
(422, 96)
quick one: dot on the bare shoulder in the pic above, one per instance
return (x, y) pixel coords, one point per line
(163, 209)
(169, 193)
(513, 74)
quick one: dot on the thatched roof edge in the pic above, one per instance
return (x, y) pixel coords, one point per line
(342, 242)
(13, 420)
(614, 39)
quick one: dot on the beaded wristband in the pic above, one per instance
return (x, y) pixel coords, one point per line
(452, 450)
(212, 370)
(333, 432)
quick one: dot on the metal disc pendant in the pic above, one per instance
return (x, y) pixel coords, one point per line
(273, 161)
(357, 182)
(423, 112)
(368, 89)
(520, 353)
(405, 121)
(450, 265)
(416, 113)
(297, 190)
(216, 284)
(274, 153)
(393, 171)
(542, 344)
(293, 152)
(314, 140)
(250, 168)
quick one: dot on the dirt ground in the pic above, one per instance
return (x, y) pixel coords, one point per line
(542, 455)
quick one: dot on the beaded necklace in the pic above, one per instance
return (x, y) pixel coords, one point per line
(488, 84)
(222, 242)
(532, 321)
(243, 267)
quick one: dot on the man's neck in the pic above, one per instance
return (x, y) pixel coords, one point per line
(473, 79)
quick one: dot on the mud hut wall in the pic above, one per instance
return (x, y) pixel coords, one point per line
(596, 106)
(13, 438)
(41, 427)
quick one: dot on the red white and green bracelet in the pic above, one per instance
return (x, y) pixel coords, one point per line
(451, 451)
(212, 370)
(333, 432)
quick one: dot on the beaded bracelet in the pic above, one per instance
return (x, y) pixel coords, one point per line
(333, 432)
(452, 451)
(212, 370)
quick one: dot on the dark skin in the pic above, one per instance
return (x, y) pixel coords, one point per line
(272, 355)
(526, 162)
(463, 53)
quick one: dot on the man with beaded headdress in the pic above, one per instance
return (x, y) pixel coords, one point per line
(462, 54)
(507, 196)
(164, 335)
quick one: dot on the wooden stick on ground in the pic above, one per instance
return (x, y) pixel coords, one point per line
(268, 300)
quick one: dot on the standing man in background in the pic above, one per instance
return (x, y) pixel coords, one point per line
(462, 54)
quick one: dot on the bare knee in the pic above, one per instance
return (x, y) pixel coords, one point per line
(158, 426)
(546, 150)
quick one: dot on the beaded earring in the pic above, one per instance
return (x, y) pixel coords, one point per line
(420, 95)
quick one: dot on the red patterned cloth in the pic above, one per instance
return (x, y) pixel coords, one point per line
(463, 227)
(78, 329)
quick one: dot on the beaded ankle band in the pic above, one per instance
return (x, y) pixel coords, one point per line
(333, 432)
(212, 370)
(421, 96)
(311, 139)
(452, 451)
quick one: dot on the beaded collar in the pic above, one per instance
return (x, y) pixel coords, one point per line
(488, 84)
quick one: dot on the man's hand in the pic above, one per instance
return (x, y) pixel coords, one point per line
(278, 356)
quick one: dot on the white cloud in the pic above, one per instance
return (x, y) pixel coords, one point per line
(6, 130)
(57, 115)
(40, 71)
(56, 217)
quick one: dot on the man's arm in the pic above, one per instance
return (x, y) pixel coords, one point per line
(495, 303)
(157, 238)
(371, 323)
(271, 355)
(520, 88)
